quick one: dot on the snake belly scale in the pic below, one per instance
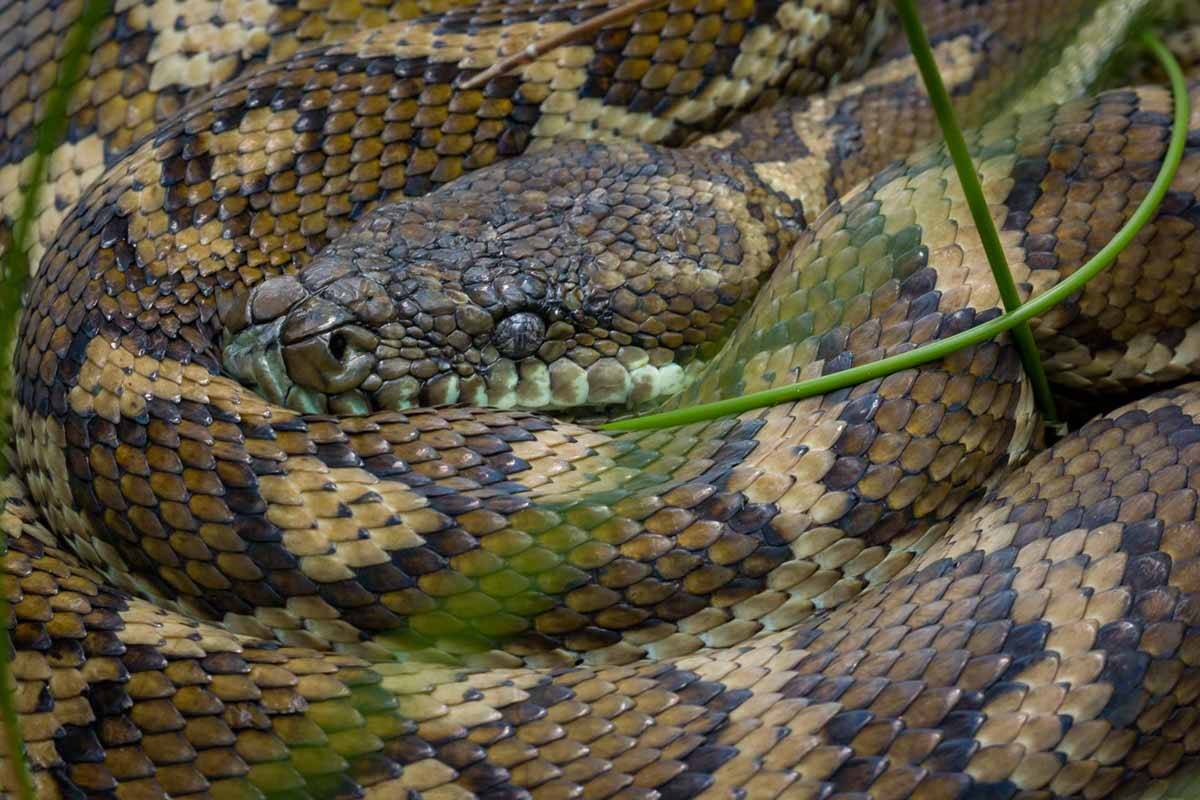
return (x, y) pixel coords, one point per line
(379, 566)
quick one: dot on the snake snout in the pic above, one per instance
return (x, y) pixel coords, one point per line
(263, 304)
(301, 349)
(332, 362)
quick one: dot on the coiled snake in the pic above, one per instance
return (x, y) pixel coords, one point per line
(850, 596)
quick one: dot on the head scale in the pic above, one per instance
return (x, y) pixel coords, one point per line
(593, 277)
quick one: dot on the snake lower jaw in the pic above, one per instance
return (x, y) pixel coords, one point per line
(254, 359)
(295, 376)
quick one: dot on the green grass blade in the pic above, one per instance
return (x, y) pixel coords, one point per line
(956, 146)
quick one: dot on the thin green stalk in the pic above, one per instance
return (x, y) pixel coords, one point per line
(981, 333)
(956, 145)
(16, 272)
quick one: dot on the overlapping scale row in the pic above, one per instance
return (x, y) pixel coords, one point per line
(1044, 645)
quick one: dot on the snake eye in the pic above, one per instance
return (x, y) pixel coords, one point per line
(520, 335)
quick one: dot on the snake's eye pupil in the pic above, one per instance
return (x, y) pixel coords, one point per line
(520, 335)
(337, 346)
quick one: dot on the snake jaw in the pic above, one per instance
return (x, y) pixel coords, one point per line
(298, 349)
(252, 357)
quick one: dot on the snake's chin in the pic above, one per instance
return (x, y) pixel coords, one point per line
(254, 356)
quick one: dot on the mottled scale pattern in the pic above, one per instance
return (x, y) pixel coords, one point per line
(398, 120)
(874, 593)
(816, 150)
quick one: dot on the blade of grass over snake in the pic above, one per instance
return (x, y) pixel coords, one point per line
(540, 48)
(932, 352)
(16, 272)
(989, 237)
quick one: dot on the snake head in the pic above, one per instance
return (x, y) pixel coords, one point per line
(524, 285)
(341, 337)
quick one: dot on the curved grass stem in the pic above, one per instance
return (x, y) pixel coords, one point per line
(980, 333)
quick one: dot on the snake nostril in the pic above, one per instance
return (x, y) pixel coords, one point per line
(332, 362)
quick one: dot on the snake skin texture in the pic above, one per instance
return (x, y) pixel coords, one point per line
(325, 584)
(150, 58)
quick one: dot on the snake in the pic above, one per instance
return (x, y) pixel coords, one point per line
(309, 500)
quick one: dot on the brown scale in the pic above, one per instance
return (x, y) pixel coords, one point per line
(218, 499)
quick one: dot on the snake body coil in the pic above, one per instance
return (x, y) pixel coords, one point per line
(866, 594)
